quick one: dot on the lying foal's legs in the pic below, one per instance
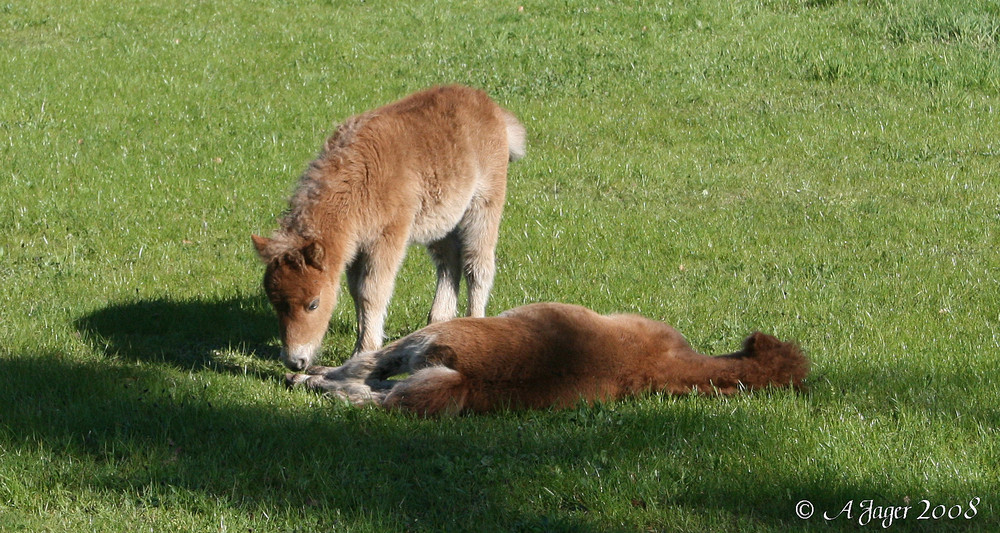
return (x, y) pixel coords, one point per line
(364, 378)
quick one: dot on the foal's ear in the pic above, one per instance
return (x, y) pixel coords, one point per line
(263, 246)
(313, 254)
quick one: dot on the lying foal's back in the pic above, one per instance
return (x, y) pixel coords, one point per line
(557, 355)
(546, 355)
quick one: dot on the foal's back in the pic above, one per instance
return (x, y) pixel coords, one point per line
(554, 354)
(424, 159)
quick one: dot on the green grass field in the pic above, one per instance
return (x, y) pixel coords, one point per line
(828, 171)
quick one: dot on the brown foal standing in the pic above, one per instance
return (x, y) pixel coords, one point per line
(430, 169)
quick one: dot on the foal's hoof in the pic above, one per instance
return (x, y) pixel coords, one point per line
(317, 370)
(294, 380)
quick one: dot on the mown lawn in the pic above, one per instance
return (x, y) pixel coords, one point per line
(828, 171)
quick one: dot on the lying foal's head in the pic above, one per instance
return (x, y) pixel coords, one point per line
(301, 289)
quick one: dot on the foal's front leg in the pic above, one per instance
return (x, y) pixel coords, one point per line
(371, 279)
(364, 378)
(355, 392)
(348, 381)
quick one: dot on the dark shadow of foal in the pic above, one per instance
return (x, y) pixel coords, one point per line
(190, 334)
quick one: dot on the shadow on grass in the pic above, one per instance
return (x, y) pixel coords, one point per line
(156, 440)
(940, 394)
(186, 334)
(191, 334)
(160, 441)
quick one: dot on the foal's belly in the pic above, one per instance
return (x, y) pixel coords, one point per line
(436, 217)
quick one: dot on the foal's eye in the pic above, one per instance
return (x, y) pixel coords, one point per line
(313, 305)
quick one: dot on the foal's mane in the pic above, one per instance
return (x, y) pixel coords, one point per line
(299, 223)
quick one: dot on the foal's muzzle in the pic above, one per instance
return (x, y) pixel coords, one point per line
(298, 357)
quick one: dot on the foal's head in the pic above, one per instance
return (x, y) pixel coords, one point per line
(300, 288)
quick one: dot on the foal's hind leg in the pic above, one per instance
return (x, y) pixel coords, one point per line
(447, 256)
(479, 228)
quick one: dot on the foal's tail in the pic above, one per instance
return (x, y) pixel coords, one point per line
(430, 391)
(516, 136)
(763, 362)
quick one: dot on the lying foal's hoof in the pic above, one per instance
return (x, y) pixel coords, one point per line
(293, 380)
(317, 370)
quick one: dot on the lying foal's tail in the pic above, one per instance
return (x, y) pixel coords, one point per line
(763, 362)
(430, 391)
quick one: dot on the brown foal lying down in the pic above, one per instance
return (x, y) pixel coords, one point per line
(549, 354)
